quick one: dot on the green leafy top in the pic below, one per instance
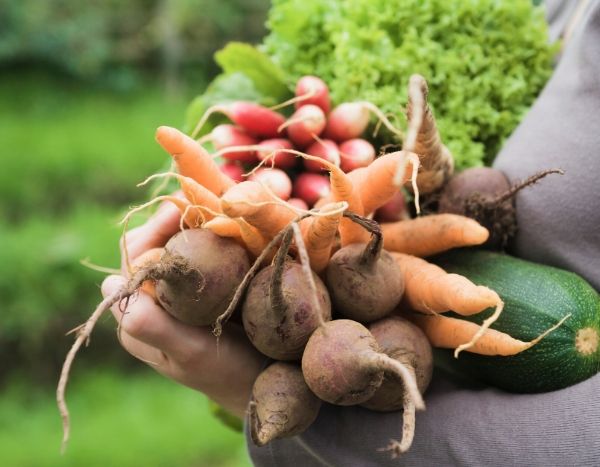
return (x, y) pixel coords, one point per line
(248, 75)
(485, 60)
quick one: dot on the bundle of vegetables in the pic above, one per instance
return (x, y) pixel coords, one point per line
(319, 291)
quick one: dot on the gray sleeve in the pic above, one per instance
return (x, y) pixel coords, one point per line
(559, 218)
(463, 425)
(559, 224)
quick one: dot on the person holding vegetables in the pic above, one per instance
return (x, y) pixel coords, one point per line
(464, 424)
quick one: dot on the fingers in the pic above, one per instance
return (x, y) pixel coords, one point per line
(224, 369)
(144, 352)
(147, 322)
(154, 233)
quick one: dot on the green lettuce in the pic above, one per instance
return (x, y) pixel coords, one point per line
(485, 60)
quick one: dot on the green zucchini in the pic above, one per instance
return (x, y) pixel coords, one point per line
(535, 298)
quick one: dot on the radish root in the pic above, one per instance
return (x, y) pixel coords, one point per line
(211, 110)
(382, 118)
(293, 100)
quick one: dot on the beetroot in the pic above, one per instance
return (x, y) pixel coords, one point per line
(282, 405)
(278, 315)
(198, 275)
(485, 194)
(405, 342)
(365, 282)
(342, 364)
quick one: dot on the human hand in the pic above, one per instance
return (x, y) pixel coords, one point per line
(225, 370)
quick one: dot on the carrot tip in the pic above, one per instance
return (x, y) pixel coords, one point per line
(170, 139)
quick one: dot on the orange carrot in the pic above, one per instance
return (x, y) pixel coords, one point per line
(450, 333)
(429, 235)
(239, 229)
(255, 242)
(223, 227)
(375, 183)
(195, 193)
(430, 289)
(258, 207)
(343, 189)
(193, 160)
(320, 234)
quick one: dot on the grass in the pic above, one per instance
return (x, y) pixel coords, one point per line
(65, 143)
(139, 419)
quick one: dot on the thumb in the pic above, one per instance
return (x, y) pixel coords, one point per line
(112, 284)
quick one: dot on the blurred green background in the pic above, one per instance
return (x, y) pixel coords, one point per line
(83, 85)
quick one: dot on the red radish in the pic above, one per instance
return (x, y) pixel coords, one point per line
(276, 180)
(298, 203)
(356, 153)
(310, 187)
(394, 210)
(315, 91)
(282, 160)
(306, 123)
(346, 121)
(256, 119)
(350, 119)
(233, 171)
(229, 136)
(325, 149)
